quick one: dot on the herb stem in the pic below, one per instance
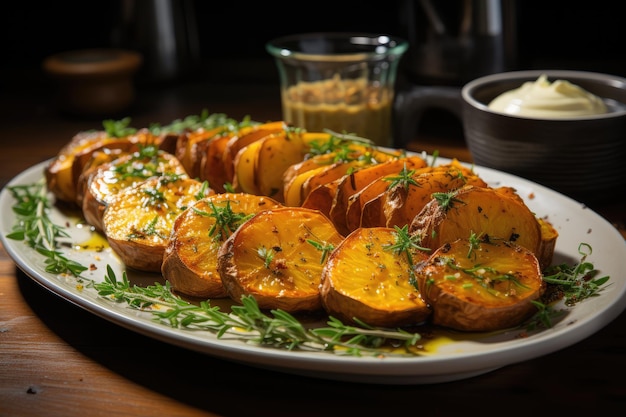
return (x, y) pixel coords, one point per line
(248, 322)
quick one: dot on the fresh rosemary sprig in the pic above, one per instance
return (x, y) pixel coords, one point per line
(118, 128)
(267, 254)
(572, 283)
(484, 276)
(577, 282)
(404, 179)
(321, 245)
(247, 322)
(337, 143)
(37, 229)
(204, 120)
(226, 220)
(448, 199)
(407, 244)
(473, 242)
(324, 247)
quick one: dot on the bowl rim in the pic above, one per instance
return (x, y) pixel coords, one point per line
(530, 75)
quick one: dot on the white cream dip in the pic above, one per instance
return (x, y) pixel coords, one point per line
(542, 99)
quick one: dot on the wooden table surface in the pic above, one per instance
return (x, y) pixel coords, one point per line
(57, 359)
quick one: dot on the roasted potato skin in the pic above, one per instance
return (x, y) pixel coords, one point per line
(190, 258)
(480, 288)
(365, 279)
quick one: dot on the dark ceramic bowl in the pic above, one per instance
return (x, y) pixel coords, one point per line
(581, 157)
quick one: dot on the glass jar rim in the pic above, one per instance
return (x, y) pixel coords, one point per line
(337, 46)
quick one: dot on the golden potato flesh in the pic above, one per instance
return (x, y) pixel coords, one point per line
(366, 279)
(110, 178)
(190, 260)
(483, 286)
(138, 220)
(277, 257)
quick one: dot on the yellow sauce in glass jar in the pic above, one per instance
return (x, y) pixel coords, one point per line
(352, 106)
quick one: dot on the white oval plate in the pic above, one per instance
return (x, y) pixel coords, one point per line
(452, 361)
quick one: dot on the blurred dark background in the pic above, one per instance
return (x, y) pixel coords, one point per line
(222, 42)
(553, 32)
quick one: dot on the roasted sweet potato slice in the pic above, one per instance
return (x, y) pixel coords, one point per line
(485, 212)
(190, 260)
(310, 163)
(125, 171)
(277, 257)
(260, 165)
(292, 190)
(59, 173)
(212, 166)
(367, 279)
(243, 138)
(244, 168)
(357, 180)
(321, 197)
(370, 193)
(328, 195)
(191, 146)
(480, 285)
(85, 159)
(296, 175)
(64, 170)
(305, 177)
(402, 201)
(276, 154)
(549, 236)
(366, 207)
(97, 159)
(330, 174)
(138, 220)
